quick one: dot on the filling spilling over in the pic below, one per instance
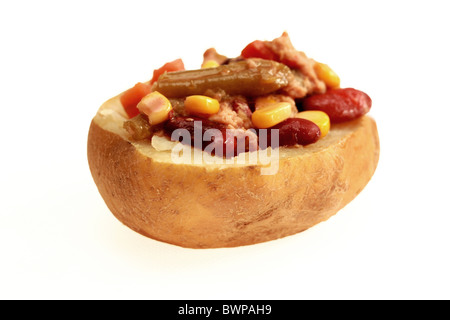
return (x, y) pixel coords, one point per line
(233, 105)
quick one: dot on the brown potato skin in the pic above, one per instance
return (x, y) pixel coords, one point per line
(187, 206)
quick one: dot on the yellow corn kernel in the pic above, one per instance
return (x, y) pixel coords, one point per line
(327, 75)
(201, 104)
(210, 64)
(271, 115)
(318, 117)
(156, 107)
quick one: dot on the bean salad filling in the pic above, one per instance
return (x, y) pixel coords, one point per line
(270, 87)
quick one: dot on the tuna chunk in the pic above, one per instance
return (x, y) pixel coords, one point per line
(212, 55)
(234, 112)
(304, 79)
(287, 54)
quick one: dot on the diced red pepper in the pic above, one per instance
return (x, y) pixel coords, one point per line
(132, 96)
(176, 65)
(258, 49)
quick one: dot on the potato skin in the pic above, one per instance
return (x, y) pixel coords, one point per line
(192, 207)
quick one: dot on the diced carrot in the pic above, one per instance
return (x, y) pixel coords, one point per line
(133, 96)
(258, 49)
(176, 65)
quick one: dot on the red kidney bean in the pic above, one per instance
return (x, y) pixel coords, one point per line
(188, 123)
(340, 104)
(192, 124)
(291, 132)
(294, 131)
(223, 142)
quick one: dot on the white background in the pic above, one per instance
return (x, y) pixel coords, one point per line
(59, 60)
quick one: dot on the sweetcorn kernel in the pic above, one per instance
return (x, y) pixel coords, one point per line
(210, 64)
(199, 104)
(327, 75)
(320, 118)
(271, 115)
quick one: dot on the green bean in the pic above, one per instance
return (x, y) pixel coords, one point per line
(252, 77)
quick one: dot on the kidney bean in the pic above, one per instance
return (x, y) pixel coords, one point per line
(294, 131)
(291, 132)
(222, 141)
(340, 104)
(191, 124)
